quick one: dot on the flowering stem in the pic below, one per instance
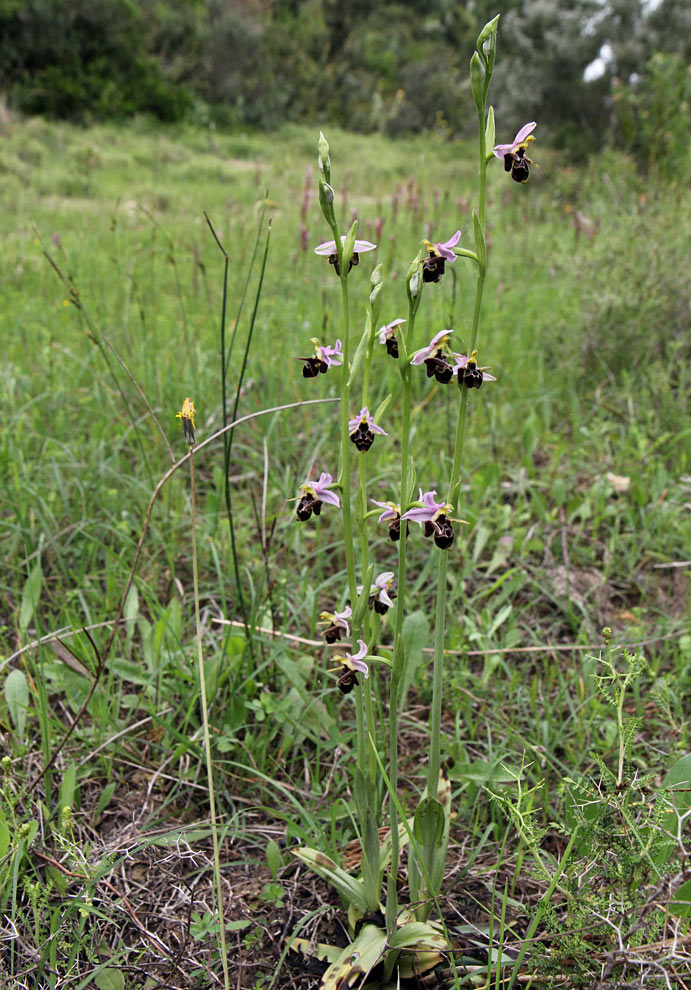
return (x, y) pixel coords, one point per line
(454, 490)
(345, 446)
(207, 739)
(397, 669)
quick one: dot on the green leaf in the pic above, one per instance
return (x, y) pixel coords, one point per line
(420, 934)
(415, 636)
(348, 246)
(490, 133)
(477, 77)
(17, 697)
(30, 597)
(360, 351)
(678, 781)
(356, 959)
(4, 839)
(381, 408)
(109, 979)
(104, 799)
(348, 887)
(68, 786)
(680, 906)
(274, 857)
(130, 671)
(429, 821)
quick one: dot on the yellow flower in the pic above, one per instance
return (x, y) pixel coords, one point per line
(186, 414)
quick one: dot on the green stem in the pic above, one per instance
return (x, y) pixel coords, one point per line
(454, 490)
(207, 738)
(397, 669)
(345, 447)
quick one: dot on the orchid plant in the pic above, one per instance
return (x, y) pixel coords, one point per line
(391, 941)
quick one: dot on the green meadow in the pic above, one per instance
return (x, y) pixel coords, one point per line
(576, 494)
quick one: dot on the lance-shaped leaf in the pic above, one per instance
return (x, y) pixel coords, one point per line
(348, 247)
(360, 609)
(365, 800)
(418, 934)
(477, 79)
(347, 886)
(361, 348)
(490, 133)
(356, 960)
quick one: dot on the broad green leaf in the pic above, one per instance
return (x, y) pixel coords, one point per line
(680, 906)
(109, 979)
(356, 959)
(415, 636)
(420, 934)
(133, 673)
(678, 781)
(17, 697)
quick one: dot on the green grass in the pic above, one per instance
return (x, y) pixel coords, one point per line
(588, 337)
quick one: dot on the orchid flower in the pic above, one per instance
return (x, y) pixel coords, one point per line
(515, 159)
(387, 335)
(468, 373)
(324, 358)
(353, 665)
(328, 248)
(314, 494)
(434, 265)
(500, 150)
(433, 515)
(379, 596)
(361, 430)
(445, 248)
(391, 514)
(429, 511)
(435, 345)
(337, 624)
(434, 359)
(391, 510)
